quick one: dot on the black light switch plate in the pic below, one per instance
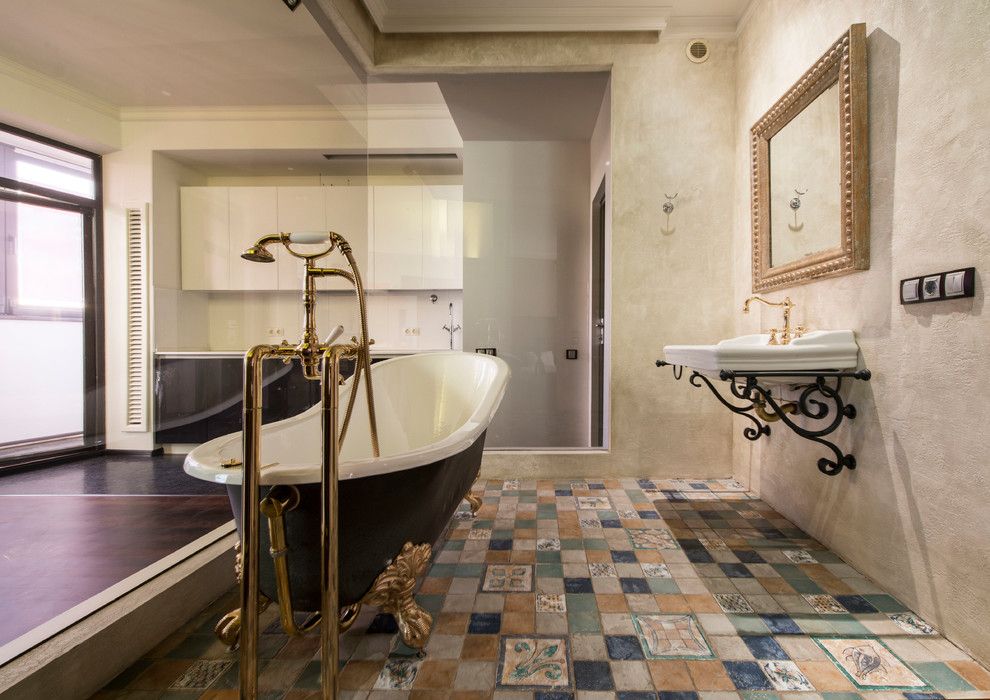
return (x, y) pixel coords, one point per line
(939, 286)
(571, 353)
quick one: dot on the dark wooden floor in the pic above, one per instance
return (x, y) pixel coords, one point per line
(61, 543)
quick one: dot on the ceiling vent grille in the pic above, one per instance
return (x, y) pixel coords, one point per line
(697, 50)
(137, 318)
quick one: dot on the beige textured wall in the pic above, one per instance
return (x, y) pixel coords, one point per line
(914, 514)
(672, 129)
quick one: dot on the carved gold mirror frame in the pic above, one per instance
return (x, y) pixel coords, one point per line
(844, 63)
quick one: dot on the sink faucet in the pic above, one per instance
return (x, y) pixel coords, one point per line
(450, 327)
(788, 333)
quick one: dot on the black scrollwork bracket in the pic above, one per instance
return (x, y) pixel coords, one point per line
(819, 400)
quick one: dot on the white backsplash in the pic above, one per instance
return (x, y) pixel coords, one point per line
(406, 321)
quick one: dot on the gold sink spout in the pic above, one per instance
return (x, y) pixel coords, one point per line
(788, 333)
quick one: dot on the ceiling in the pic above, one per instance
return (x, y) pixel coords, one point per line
(176, 52)
(516, 107)
(554, 15)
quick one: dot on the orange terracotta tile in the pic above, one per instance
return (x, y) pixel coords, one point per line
(225, 694)
(612, 484)
(670, 675)
(520, 602)
(434, 585)
(497, 556)
(649, 556)
(825, 676)
(546, 499)
(469, 695)
(710, 675)
(437, 673)
(524, 533)
(523, 556)
(976, 675)
(519, 622)
(612, 603)
(702, 603)
(428, 694)
(480, 647)
(672, 603)
(598, 556)
(452, 623)
(360, 675)
(776, 585)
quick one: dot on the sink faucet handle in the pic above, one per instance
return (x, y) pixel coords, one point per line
(798, 331)
(773, 337)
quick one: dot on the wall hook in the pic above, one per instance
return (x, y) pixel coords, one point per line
(795, 204)
(668, 209)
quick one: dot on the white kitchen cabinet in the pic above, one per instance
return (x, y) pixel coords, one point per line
(204, 233)
(443, 237)
(397, 240)
(299, 209)
(253, 214)
(347, 214)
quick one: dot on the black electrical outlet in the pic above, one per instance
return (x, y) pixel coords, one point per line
(939, 286)
(571, 353)
(486, 351)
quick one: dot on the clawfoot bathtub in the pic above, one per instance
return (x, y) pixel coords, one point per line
(433, 411)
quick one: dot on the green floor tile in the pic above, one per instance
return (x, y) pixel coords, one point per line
(454, 545)
(581, 602)
(940, 676)
(482, 524)
(841, 696)
(583, 622)
(595, 544)
(813, 624)
(525, 524)
(849, 627)
(430, 602)
(748, 624)
(442, 570)
(662, 585)
(547, 557)
(550, 571)
(885, 603)
(469, 570)
(804, 585)
(501, 534)
(572, 544)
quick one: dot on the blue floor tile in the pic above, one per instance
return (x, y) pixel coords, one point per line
(634, 585)
(578, 585)
(383, 623)
(485, 623)
(635, 695)
(746, 675)
(698, 555)
(623, 647)
(593, 675)
(735, 570)
(765, 648)
(855, 604)
(678, 695)
(624, 557)
(553, 695)
(500, 545)
(779, 623)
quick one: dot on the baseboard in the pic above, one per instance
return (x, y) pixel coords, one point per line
(82, 659)
(139, 453)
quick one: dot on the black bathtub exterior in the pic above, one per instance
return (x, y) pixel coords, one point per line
(378, 515)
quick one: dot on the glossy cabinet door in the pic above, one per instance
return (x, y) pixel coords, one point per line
(253, 214)
(204, 231)
(299, 209)
(443, 237)
(347, 214)
(397, 244)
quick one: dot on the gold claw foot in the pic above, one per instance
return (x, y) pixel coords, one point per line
(474, 501)
(392, 593)
(228, 629)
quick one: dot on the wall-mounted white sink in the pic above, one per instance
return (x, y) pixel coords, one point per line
(813, 350)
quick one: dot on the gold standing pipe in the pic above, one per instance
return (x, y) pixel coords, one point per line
(250, 495)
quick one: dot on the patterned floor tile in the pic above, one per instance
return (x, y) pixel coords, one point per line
(533, 662)
(869, 664)
(671, 636)
(636, 589)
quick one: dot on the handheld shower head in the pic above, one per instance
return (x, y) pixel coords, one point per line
(258, 253)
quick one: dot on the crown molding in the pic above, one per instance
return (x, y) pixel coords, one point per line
(57, 87)
(282, 113)
(516, 16)
(718, 27)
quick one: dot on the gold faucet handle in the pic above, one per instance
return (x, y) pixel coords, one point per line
(799, 331)
(773, 337)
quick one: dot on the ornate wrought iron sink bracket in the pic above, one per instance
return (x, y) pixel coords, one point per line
(819, 399)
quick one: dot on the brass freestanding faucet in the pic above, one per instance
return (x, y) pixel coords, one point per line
(787, 334)
(320, 361)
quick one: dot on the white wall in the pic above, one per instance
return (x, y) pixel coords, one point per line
(526, 282)
(913, 516)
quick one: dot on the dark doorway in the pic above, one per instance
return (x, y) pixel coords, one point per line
(598, 317)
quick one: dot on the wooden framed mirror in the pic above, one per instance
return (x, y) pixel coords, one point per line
(810, 173)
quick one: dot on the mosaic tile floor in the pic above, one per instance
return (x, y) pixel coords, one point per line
(629, 589)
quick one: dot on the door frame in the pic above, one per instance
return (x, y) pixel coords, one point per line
(599, 299)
